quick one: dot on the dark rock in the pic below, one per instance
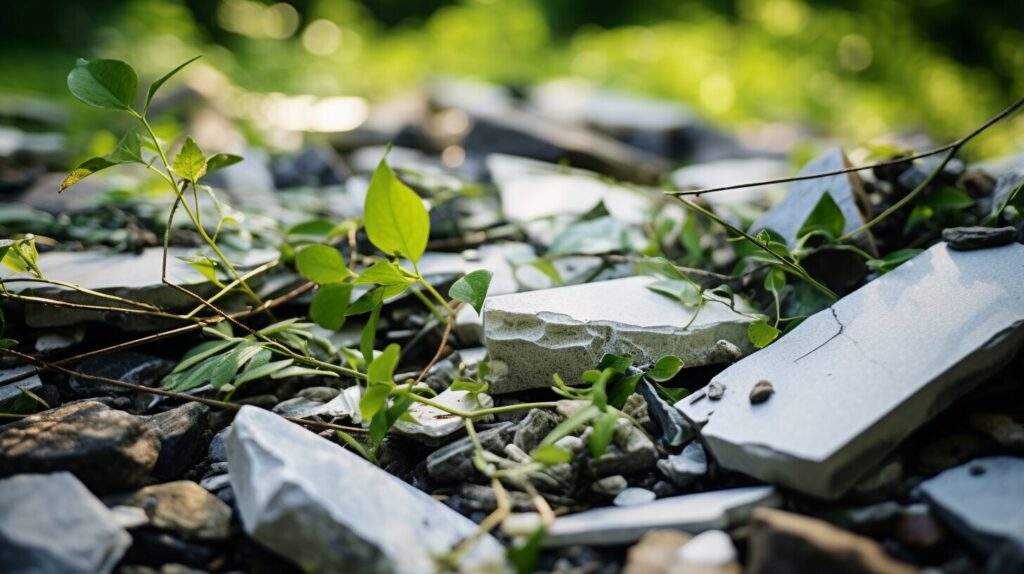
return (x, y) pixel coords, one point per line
(52, 523)
(314, 166)
(970, 238)
(107, 450)
(687, 467)
(154, 548)
(11, 391)
(786, 542)
(319, 394)
(265, 401)
(631, 452)
(531, 430)
(673, 430)
(127, 366)
(186, 509)
(977, 183)
(183, 435)
(762, 391)
(454, 462)
(217, 451)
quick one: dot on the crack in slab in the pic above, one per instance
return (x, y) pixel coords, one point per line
(826, 341)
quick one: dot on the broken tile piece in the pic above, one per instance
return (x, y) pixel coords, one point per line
(693, 513)
(982, 500)
(787, 216)
(854, 380)
(567, 330)
(434, 426)
(331, 511)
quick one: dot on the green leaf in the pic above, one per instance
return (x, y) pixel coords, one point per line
(128, 150)
(571, 424)
(190, 163)
(474, 387)
(665, 368)
(617, 363)
(6, 343)
(383, 273)
(329, 305)
(672, 395)
(472, 288)
(108, 84)
(373, 400)
(595, 237)
(397, 223)
(84, 170)
(761, 333)
(825, 219)
(369, 335)
(357, 446)
(524, 558)
(382, 369)
(322, 264)
(551, 454)
(893, 260)
(684, 291)
(604, 432)
(619, 391)
(254, 371)
(204, 265)
(221, 160)
(366, 302)
(385, 419)
(775, 280)
(156, 85)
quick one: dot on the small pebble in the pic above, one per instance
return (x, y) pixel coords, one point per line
(761, 392)
(971, 238)
(715, 391)
(634, 497)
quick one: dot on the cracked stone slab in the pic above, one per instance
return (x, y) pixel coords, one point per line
(982, 500)
(854, 380)
(567, 330)
(433, 426)
(693, 513)
(329, 510)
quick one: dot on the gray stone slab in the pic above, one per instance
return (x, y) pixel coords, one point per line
(982, 500)
(854, 380)
(11, 391)
(331, 511)
(787, 216)
(734, 172)
(693, 513)
(52, 523)
(567, 330)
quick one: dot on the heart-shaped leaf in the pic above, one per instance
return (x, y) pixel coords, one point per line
(472, 288)
(397, 223)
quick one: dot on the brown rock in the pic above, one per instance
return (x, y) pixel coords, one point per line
(786, 543)
(108, 450)
(761, 392)
(185, 508)
(655, 552)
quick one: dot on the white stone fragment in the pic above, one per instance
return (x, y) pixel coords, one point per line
(566, 330)
(854, 380)
(331, 511)
(433, 425)
(52, 523)
(692, 513)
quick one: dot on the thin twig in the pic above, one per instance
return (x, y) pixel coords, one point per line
(440, 349)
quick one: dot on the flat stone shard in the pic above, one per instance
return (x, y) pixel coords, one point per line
(854, 380)
(567, 330)
(982, 500)
(331, 511)
(52, 523)
(692, 513)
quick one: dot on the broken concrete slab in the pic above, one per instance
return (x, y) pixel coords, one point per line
(566, 330)
(787, 216)
(52, 523)
(434, 426)
(982, 500)
(329, 510)
(692, 513)
(854, 380)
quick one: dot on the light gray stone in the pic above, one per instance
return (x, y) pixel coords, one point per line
(329, 510)
(610, 485)
(634, 497)
(982, 500)
(11, 391)
(185, 508)
(566, 330)
(52, 523)
(726, 172)
(630, 452)
(692, 513)
(709, 548)
(454, 462)
(787, 216)
(687, 467)
(853, 380)
(434, 425)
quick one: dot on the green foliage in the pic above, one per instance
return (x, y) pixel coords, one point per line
(156, 85)
(322, 264)
(330, 304)
(551, 454)
(472, 288)
(190, 163)
(761, 333)
(826, 219)
(221, 160)
(665, 369)
(386, 274)
(893, 260)
(108, 84)
(396, 221)
(524, 557)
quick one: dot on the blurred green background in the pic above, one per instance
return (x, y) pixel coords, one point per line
(853, 69)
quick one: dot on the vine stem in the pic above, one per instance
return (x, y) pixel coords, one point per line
(468, 415)
(952, 146)
(81, 289)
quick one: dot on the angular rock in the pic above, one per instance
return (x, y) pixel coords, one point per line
(691, 513)
(970, 238)
(319, 394)
(107, 450)
(687, 467)
(127, 366)
(566, 330)
(787, 542)
(329, 510)
(983, 501)
(532, 429)
(674, 430)
(297, 407)
(655, 552)
(183, 435)
(185, 508)
(454, 461)
(609, 485)
(434, 425)
(52, 523)
(630, 452)
(787, 216)
(634, 497)
(11, 391)
(853, 380)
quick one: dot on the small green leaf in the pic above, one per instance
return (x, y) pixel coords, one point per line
(373, 400)
(620, 390)
(666, 368)
(190, 163)
(6, 343)
(551, 454)
(672, 395)
(761, 333)
(204, 265)
(385, 419)
(775, 280)
(472, 288)
(382, 370)
(473, 387)
(524, 558)
(684, 291)
(571, 424)
(617, 363)
(384, 273)
(369, 335)
(329, 305)
(366, 302)
(357, 446)
(156, 85)
(322, 264)
(108, 84)
(397, 223)
(85, 169)
(825, 219)
(893, 260)
(604, 432)
(221, 160)
(128, 150)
